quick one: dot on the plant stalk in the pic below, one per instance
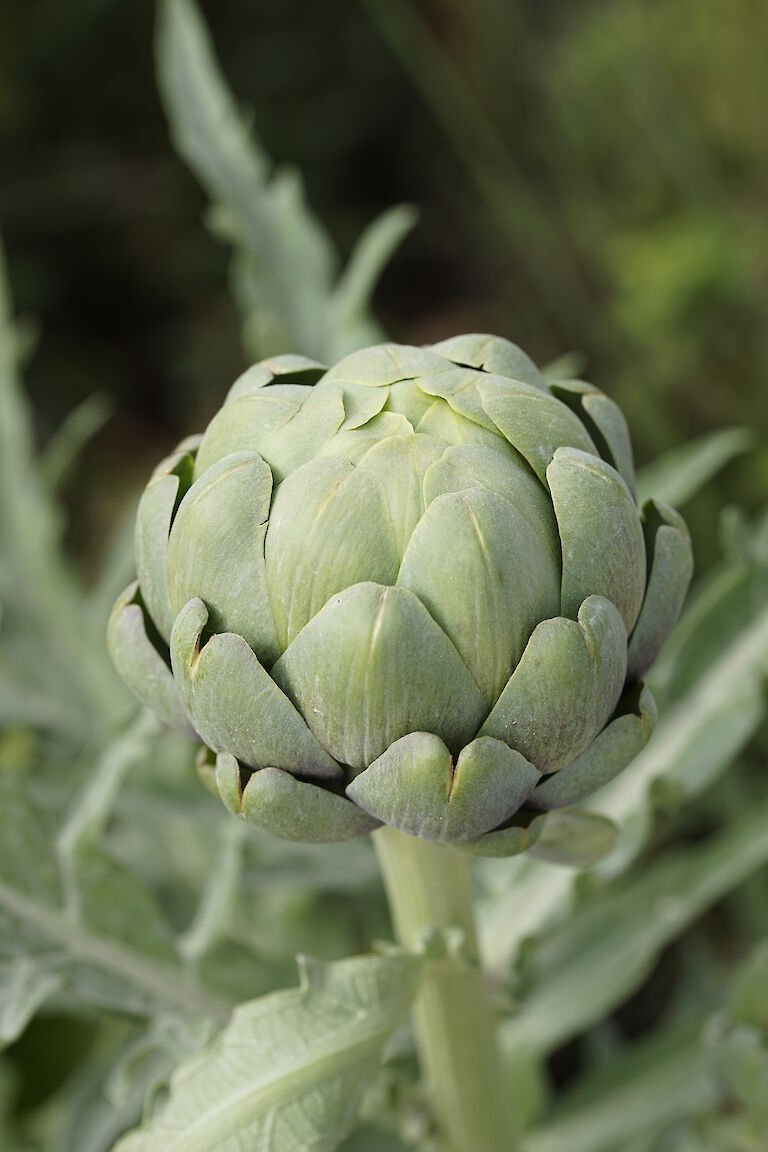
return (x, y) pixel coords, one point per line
(428, 887)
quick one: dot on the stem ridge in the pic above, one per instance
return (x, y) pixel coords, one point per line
(428, 887)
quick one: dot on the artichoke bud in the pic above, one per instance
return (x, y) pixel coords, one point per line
(415, 589)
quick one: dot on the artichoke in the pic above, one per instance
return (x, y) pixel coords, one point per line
(415, 590)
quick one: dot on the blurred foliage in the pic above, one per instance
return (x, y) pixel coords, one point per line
(590, 180)
(283, 273)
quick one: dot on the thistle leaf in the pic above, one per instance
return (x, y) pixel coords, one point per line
(288, 1072)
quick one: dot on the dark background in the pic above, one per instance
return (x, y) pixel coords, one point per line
(590, 177)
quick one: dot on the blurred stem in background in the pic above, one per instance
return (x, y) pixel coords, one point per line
(517, 210)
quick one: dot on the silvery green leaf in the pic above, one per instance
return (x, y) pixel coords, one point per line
(25, 703)
(263, 215)
(288, 1072)
(574, 838)
(66, 444)
(584, 969)
(372, 252)
(28, 518)
(285, 268)
(569, 366)
(695, 740)
(680, 473)
(217, 900)
(724, 605)
(26, 983)
(665, 1080)
(45, 619)
(105, 1092)
(79, 914)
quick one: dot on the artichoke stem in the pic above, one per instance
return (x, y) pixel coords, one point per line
(428, 887)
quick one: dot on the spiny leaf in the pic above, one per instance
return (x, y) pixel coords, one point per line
(287, 1073)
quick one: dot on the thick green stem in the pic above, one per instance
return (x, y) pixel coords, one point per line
(428, 887)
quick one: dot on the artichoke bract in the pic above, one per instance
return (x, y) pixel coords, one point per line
(415, 589)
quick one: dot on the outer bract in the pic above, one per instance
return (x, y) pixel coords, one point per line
(415, 589)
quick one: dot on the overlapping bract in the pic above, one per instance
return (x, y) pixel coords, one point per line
(415, 589)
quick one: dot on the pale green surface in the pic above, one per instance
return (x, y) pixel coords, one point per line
(153, 525)
(216, 550)
(565, 687)
(429, 891)
(605, 421)
(499, 579)
(506, 476)
(373, 666)
(288, 1071)
(401, 465)
(494, 354)
(228, 694)
(316, 512)
(600, 531)
(288, 808)
(414, 787)
(533, 421)
(244, 421)
(668, 547)
(139, 662)
(613, 749)
(366, 577)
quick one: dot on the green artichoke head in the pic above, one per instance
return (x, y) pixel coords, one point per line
(414, 589)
